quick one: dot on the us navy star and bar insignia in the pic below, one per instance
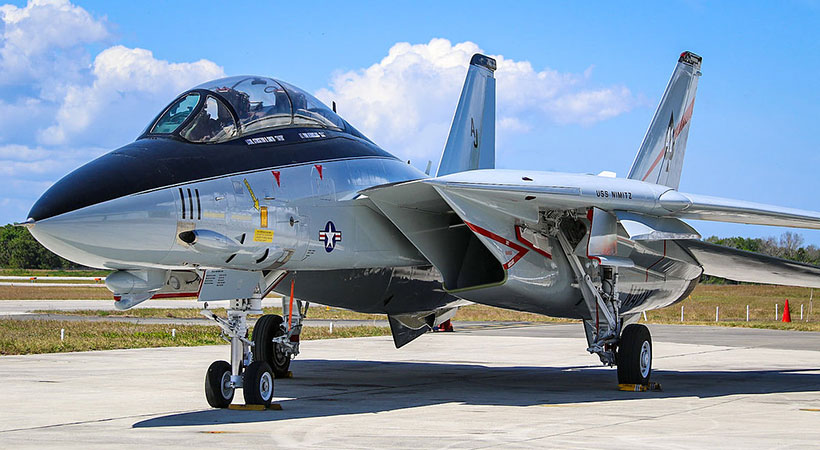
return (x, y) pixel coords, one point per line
(330, 236)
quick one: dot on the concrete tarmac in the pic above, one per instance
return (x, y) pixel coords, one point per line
(503, 387)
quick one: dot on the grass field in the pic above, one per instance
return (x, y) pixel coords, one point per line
(732, 300)
(19, 337)
(478, 313)
(699, 308)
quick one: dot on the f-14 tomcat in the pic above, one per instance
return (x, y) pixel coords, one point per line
(247, 185)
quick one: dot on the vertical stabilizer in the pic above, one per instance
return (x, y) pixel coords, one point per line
(660, 158)
(471, 143)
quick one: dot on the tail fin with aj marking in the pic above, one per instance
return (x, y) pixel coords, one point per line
(471, 142)
(660, 158)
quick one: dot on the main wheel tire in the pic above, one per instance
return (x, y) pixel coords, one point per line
(218, 389)
(268, 327)
(634, 356)
(257, 384)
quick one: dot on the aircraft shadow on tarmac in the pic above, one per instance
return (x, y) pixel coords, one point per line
(340, 387)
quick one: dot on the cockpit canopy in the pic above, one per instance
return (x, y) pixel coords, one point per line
(228, 108)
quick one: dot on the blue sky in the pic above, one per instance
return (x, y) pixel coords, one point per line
(577, 91)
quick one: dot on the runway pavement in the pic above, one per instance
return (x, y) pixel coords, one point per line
(502, 387)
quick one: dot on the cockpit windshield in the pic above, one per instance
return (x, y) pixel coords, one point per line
(227, 108)
(259, 102)
(213, 123)
(176, 114)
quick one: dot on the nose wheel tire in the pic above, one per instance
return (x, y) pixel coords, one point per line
(257, 384)
(218, 389)
(268, 327)
(634, 355)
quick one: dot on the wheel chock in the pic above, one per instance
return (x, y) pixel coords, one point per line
(640, 387)
(272, 407)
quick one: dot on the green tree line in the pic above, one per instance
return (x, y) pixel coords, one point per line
(19, 250)
(788, 246)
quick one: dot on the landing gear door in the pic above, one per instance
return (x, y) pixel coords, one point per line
(228, 285)
(603, 240)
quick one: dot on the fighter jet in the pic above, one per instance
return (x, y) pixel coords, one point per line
(248, 185)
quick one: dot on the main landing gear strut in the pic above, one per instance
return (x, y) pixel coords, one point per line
(255, 363)
(627, 346)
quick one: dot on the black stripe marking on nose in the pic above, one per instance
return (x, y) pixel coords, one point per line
(182, 200)
(198, 206)
(190, 203)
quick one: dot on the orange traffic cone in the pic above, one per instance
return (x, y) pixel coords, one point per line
(786, 316)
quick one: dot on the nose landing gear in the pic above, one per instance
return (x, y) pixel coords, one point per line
(218, 388)
(267, 329)
(254, 377)
(257, 384)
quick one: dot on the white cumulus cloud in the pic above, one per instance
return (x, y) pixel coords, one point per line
(125, 81)
(43, 36)
(406, 101)
(61, 106)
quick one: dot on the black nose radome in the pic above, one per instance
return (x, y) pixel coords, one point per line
(110, 176)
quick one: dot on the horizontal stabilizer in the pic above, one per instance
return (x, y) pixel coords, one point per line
(740, 265)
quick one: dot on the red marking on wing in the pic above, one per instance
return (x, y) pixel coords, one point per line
(487, 233)
(529, 244)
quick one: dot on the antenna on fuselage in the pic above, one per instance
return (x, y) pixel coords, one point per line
(333, 105)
